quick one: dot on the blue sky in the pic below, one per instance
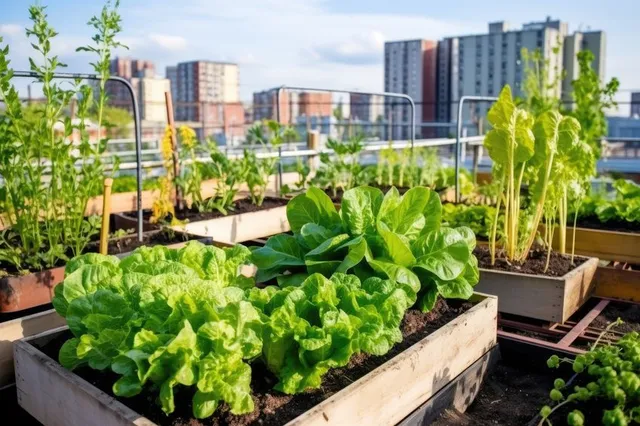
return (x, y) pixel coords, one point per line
(327, 43)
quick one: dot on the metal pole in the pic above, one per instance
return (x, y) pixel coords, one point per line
(136, 123)
(459, 130)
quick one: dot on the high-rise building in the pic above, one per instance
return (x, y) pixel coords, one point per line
(482, 64)
(410, 68)
(151, 99)
(204, 82)
(596, 42)
(264, 105)
(367, 108)
(635, 104)
(126, 68)
(171, 74)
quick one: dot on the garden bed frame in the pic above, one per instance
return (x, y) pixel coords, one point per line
(239, 228)
(608, 245)
(386, 395)
(537, 296)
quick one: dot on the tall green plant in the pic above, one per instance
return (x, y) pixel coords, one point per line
(591, 99)
(49, 165)
(541, 83)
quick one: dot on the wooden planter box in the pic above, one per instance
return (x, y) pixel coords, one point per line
(608, 245)
(386, 395)
(34, 289)
(536, 296)
(617, 283)
(238, 228)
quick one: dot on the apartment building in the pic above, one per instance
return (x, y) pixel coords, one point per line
(315, 104)
(410, 68)
(596, 42)
(265, 102)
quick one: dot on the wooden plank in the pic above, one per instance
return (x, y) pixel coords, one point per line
(57, 397)
(577, 329)
(458, 395)
(395, 389)
(386, 395)
(608, 245)
(17, 329)
(536, 296)
(239, 228)
(617, 283)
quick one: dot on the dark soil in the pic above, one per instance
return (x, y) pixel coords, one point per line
(153, 238)
(559, 264)
(512, 395)
(243, 205)
(592, 222)
(627, 312)
(273, 407)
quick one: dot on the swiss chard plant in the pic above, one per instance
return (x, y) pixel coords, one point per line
(389, 236)
(163, 318)
(547, 153)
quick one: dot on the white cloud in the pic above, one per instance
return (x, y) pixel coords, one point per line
(169, 42)
(10, 29)
(360, 49)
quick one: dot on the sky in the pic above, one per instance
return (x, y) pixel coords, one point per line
(334, 44)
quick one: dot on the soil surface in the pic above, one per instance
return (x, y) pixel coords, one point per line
(152, 238)
(592, 222)
(627, 312)
(559, 264)
(511, 395)
(273, 407)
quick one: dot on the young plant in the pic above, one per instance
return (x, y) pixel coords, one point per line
(612, 377)
(541, 83)
(405, 161)
(518, 143)
(229, 174)
(258, 171)
(191, 180)
(163, 206)
(390, 236)
(430, 167)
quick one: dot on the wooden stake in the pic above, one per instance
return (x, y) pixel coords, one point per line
(174, 142)
(106, 211)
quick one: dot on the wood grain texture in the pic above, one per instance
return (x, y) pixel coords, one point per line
(617, 284)
(58, 397)
(17, 329)
(608, 245)
(394, 390)
(537, 296)
(242, 227)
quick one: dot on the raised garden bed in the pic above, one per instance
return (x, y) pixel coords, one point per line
(526, 291)
(375, 391)
(606, 244)
(19, 292)
(617, 283)
(246, 223)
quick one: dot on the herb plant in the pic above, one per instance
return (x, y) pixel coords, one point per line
(47, 177)
(611, 375)
(390, 236)
(229, 174)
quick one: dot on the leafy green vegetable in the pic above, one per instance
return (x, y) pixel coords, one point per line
(623, 205)
(165, 317)
(390, 236)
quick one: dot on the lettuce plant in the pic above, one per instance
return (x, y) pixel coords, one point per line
(320, 323)
(389, 236)
(163, 318)
(622, 205)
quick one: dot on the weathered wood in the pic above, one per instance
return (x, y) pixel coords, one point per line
(386, 395)
(242, 227)
(17, 329)
(395, 389)
(58, 397)
(30, 290)
(458, 395)
(608, 245)
(537, 296)
(617, 283)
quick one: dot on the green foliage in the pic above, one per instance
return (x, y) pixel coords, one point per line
(479, 218)
(229, 175)
(624, 205)
(591, 100)
(47, 178)
(162, 318)
(541, 83)
(536, 150)
(391, 236)
(342, 170)
(117, 120)
(611, 374)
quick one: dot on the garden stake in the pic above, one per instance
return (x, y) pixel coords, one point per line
(106, 211)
